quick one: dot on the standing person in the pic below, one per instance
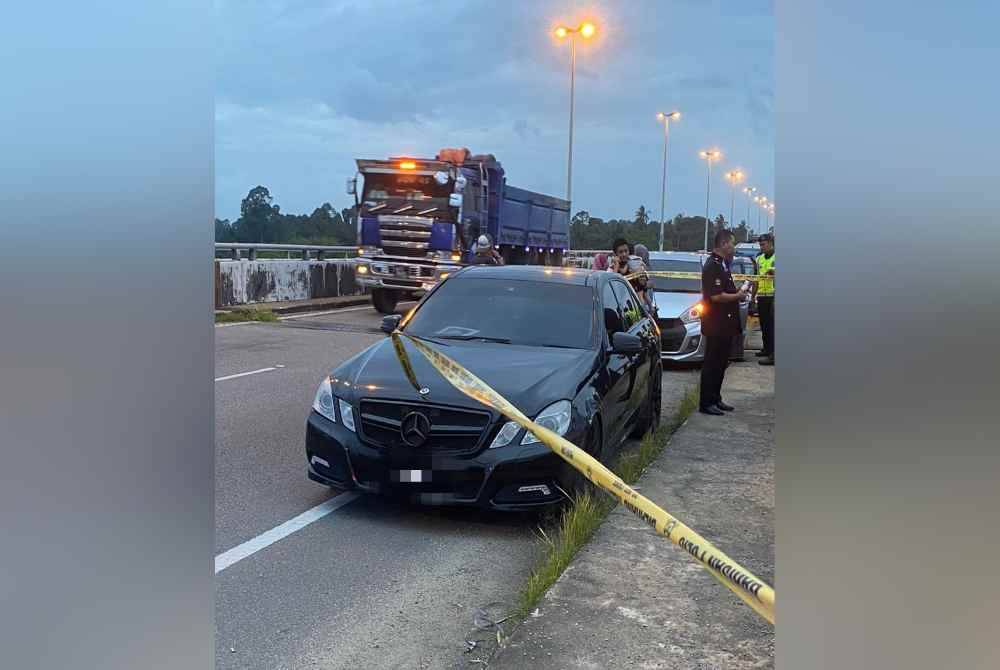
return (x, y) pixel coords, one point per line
(720, 322)
(485, 253)
(619, 262)
(643, 253)
(647, 282)
(765, 298)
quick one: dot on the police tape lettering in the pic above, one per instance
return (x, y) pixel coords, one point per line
(751, 590)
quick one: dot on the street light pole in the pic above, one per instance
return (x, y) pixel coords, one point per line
(572, 92)
(734, 177)
(709, 156)
(586, 30)
(749, 190)
(663, 186)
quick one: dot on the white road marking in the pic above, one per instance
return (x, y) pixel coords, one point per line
(264, 540)
(331, 311)
(247, 374)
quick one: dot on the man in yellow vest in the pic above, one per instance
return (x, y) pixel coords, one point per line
(765, 298)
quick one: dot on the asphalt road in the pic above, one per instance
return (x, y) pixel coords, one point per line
(370, 584)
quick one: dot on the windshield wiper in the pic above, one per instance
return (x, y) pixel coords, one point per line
(481, 338)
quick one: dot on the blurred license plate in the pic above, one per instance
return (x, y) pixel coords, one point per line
(411, 476)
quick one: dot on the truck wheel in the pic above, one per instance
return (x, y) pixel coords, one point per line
(384, 300)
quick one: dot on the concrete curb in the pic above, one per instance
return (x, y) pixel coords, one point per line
(300, 306)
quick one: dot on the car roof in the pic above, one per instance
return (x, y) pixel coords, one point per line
(555, 275)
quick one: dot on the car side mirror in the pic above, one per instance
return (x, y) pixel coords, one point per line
(352, 186)
(391, 322)
(626, 343)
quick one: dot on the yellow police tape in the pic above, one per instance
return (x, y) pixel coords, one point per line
(753, 591)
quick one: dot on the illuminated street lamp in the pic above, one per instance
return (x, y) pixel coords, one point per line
(709, 156)
(586, 30)
(734, 177)
(762, 201)
(665, 118)
(749, 190)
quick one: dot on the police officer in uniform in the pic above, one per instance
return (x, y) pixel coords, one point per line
(765, 298)
(720, 322)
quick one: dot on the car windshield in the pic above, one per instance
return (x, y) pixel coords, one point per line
(532, 313)
(676, 285)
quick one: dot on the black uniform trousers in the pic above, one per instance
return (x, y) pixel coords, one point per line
(718, 349)
(765, 308)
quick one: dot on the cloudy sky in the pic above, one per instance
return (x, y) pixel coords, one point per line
(306, 86)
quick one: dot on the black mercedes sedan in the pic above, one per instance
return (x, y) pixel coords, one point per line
(573, 349)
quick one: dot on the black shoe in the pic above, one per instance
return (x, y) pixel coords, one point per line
(724, 407)
(713, 410)
(761, 353)
(766, 361)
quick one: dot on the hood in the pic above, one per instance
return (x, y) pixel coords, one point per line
(672, 305)
(529, 377)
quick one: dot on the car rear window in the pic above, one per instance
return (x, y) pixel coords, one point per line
(676, 285)
(524, 312)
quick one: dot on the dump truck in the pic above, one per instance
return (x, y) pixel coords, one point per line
(418, 220)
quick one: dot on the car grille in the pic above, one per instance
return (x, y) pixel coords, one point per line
(452, 430)
(672, 334)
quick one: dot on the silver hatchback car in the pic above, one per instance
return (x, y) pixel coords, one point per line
(678, 305)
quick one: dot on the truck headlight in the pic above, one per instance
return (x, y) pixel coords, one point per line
(555, 417)
(323, 402)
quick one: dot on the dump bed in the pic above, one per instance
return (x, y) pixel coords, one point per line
(533, 219)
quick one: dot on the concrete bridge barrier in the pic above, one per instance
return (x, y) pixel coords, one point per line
(244, 281)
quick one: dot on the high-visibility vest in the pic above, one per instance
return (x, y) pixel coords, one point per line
(765, 286)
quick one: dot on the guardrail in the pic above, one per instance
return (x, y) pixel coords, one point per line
(235, 251)
(302, 251)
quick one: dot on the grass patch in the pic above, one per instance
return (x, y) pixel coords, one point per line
(577, 521)
(249, 314)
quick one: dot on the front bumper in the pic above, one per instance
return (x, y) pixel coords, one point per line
(511, 478)
(682, 342)
(401, 274)
(691, 347)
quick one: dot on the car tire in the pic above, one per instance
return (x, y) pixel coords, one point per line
(384, 300)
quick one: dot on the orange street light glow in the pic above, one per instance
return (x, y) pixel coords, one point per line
(561, 32)
(588, 30)
(407, 165)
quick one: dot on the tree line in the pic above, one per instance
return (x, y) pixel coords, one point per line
(262, 221)
(682, 233)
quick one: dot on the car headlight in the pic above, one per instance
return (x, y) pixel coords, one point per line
(506, 435)
(555, 417)
(693, 313)
(323, 402)
(346, 414)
